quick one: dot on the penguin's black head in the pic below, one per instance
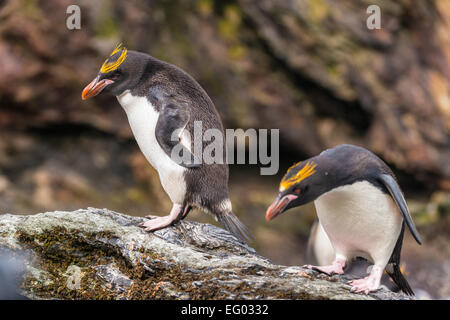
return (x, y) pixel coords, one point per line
(301, 184)
(121, 71)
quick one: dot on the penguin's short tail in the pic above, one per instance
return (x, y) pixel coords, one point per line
(233, 225)
(399, 279)
(393, 268)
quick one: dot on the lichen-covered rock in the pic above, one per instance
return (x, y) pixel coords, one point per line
(101, 254)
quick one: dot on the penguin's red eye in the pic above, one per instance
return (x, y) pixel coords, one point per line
(297, 190)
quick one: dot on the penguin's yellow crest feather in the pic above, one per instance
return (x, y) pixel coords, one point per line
(113, 65)
(303, 173)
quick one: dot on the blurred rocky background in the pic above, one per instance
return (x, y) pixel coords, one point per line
(309, 67)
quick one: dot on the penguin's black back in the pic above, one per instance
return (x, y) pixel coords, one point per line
(347, 164)
(162, 82)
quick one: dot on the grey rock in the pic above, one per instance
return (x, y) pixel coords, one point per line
(100, 254)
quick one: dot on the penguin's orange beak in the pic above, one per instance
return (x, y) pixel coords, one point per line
(95, 87)
(278, 206)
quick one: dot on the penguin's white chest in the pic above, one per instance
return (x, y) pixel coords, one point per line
(360, 220)
(143, 117)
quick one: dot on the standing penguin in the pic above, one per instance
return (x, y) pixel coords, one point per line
(162, 102)
(359, 205)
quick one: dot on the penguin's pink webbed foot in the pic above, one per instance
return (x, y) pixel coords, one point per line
(156, 223)
(162, 222)
(369, 283)
(337, 267)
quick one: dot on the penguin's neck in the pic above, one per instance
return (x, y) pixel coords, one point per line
(130, 102)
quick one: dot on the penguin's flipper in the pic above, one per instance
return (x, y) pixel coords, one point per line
(393, 188)
(393, 267)
(233, 225)
(169, 128)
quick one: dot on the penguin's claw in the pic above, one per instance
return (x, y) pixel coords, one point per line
(329, 270)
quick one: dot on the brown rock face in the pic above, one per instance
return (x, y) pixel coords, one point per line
(311, 68)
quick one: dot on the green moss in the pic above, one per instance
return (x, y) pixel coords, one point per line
(318, 10)
(237, 52)
(55, 250)
(444, 209)
(107, 26)
(30, 8)
(230, 23)
(205, 7)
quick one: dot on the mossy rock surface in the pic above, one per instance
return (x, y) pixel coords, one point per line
(100, 254)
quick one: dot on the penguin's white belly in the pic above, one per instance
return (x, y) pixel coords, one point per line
(360, 220)
(323, 249)
(143, 117)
